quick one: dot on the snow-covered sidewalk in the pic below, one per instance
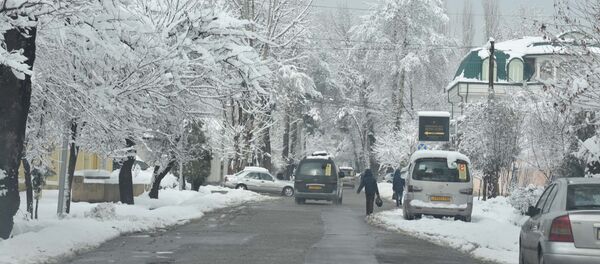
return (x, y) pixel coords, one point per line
(89, 225)
(492, 235)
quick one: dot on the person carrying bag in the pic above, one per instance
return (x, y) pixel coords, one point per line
(370, 184)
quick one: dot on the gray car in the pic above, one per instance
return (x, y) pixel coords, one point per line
(564, 225)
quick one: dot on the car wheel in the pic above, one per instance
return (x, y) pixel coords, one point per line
(300, 200)
(241, 187)
(288, 191)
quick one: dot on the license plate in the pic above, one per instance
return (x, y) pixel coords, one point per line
(440, 198)
(314, 187)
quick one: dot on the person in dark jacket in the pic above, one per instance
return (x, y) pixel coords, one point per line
(398, 187)
(370, 184)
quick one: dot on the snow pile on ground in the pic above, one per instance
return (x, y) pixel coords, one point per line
(88, 225)
(493, 233)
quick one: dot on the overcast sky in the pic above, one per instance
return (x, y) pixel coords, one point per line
(455, 7)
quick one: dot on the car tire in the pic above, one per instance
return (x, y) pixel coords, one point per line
(287, 191)
(463, 218)
(241, 187)
(300, 200)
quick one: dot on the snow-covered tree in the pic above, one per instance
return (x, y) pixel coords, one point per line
(490, 134)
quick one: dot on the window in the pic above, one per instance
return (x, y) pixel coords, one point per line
(316, 168)
(546, 71)
(515, 70)
(436, 169)
(543, 198)
(266, 177)
(550, 200)
(583, 197)
(253, 175)
(484, 70)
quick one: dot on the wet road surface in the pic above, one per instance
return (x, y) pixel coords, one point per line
(277, 231)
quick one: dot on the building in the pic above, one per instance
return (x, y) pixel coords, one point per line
(519, 65)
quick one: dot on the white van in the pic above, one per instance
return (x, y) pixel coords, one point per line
(438, 183)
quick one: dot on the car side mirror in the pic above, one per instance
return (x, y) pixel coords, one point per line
(532, 211)
(342, 174)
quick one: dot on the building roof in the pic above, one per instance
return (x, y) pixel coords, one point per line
(470, 68)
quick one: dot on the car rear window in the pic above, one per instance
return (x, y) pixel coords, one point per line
(583, 196)
(436, 169)
(316, 168)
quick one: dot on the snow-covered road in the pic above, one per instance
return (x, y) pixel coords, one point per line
(88, 225)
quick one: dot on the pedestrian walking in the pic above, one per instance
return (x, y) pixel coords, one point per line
(398, 187)
(370, 184)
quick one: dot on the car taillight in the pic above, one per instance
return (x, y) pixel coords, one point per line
(468, 191)
(560, 231)
(412, 188)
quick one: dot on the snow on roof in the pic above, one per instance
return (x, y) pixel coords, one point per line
(318, 157)
(255, 169)
(434, 113)
(346, 168)
(525, 46)
(582, 180)
(451, 156)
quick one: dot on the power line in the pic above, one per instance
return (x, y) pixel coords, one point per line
(392, 44)
(447, 13)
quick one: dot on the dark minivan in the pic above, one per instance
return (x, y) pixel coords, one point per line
(317, 178)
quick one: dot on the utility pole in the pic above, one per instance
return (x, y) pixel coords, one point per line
(491, 71)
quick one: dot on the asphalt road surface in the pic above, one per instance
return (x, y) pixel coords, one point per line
(278, 231)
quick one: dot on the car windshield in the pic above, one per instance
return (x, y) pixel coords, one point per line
(583, 196)
(316, 168)
(436, 169)
(347, 172)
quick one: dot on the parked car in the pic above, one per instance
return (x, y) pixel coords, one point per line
(260, 180)
(349, 176)
(317, 178)
(438, 183)
(564, 225)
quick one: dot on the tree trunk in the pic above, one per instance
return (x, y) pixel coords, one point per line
(285, 152)
(125, 175)
(73, 152)
(28, 186)
(485, 187)
(14, 107)
(157, 176)
(266, 159)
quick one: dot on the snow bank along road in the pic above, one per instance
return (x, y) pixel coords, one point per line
(492, 235)
(88, 225)
(276, 231)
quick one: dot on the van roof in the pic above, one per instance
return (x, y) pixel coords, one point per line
(449, 155)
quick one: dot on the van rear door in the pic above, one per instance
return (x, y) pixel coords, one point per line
(435, 182)
(316, 176)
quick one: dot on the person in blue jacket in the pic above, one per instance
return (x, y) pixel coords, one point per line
(370, 184)
(398, 187)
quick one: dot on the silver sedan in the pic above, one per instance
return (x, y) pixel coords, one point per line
(564, 225)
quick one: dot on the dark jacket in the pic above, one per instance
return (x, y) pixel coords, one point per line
(398, 182)
(369, 183)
